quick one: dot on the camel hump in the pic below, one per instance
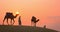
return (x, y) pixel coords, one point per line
(9, 13)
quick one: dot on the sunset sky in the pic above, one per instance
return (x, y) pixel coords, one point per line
(48, 11)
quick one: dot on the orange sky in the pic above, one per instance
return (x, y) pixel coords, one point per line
(48, 11)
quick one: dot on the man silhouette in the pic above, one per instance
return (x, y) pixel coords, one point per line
(19, 20)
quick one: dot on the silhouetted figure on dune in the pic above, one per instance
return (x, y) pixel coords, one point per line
(44, 26)
(34, 20)
(9, 16)
(19, 20)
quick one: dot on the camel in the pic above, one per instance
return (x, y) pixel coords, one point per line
(9, 16)
(34, 21)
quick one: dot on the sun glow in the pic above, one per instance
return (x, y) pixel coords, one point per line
(17, 12)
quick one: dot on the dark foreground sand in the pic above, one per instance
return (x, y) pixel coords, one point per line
(10, 28)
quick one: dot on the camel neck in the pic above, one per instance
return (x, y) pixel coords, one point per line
(15, 16)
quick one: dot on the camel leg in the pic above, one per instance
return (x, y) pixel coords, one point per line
(13, 21)
(4, 21)
(32, 23)
(7, 21)
(35, 24)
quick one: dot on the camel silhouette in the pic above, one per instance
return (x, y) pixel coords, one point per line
(34, 20)
(9, 16)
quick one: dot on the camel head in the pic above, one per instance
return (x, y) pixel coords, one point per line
(37, 20)
(16, 14)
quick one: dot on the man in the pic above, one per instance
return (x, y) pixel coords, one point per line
(19, 20)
